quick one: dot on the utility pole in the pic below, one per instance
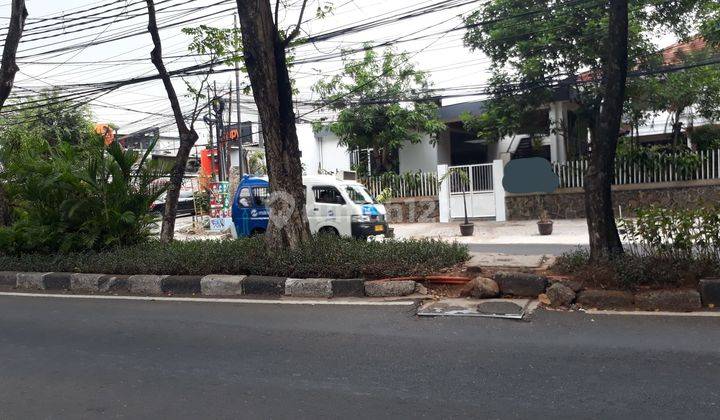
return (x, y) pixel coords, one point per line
(237, 99)
(210, 141)
(218, 107)
(228, 152)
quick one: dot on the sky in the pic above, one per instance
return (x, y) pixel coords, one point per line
(449, 63)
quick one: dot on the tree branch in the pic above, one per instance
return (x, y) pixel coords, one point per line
(277, 14)
(198, 96)
(157, 60)
(9, 67)
(295, 32)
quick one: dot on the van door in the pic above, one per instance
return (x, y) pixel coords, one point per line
(326, 211)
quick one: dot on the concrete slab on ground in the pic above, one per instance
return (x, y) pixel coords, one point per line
(493, 259)
(487, 308)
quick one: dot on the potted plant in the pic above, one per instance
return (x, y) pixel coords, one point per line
(545, 224)
(466, 228)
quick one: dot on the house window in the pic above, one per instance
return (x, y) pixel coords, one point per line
(467, 149)
(536, 122)
(328, 195)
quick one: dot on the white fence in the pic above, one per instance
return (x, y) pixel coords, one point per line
(667, 168)
(411, 184)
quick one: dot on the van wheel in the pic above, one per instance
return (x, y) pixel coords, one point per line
(329, 231)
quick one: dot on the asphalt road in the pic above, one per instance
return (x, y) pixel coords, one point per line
(525, 249)
(65, 358)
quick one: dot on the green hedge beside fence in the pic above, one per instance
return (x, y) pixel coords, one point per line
(323, 256)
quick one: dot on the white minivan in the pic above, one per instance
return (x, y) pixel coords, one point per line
(334, 206)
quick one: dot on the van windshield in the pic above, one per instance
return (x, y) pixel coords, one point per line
(358, 194)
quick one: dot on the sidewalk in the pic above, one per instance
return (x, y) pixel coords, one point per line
(567, 232)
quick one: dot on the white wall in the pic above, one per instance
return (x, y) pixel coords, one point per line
(422, 156)
(321, 151)
(308, 148)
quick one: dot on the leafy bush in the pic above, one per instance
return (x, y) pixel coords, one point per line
(632, 271)
(70, 197)
(674, 233)
(659, 157)
(666, 247)
(202, 201)
(706, 137)
(323, 256)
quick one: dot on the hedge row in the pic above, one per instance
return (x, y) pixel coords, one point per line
(323, 256)
(633, 271)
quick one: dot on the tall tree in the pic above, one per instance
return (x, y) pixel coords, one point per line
(264, 52)
(383, 104)
(188, 135)
(604, 237)
(537, 47)
(18, 14)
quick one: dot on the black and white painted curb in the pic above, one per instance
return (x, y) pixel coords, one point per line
(211, 285)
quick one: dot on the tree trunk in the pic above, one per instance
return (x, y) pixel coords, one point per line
(604, 237)
(8, 68)
(264, 55)
(4, 207)
(677, 128)
(188, 136)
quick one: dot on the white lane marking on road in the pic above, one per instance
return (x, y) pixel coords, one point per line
(657, 313)
(219, 300)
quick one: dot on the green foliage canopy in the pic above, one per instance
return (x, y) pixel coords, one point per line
(536, 46)
(381, 100)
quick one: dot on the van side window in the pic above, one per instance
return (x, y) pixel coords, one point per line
(328, 195)
(260, 194)
(244, 197)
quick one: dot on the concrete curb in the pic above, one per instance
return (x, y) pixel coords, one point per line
(348, 287)
(309, 288)
(43, 281)
(221, 285)
(210, 285)
(97, 283)
(241, 285)
(146, 284)
(8, 278)
(263, 285)
(181, 284)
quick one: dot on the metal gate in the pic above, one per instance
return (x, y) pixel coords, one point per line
(477, 183)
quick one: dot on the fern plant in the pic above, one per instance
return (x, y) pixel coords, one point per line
(71, 197)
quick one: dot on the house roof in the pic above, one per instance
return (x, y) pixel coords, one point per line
(675, 53)
(672, 54)
(450, 113)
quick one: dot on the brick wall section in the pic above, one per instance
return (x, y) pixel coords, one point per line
(570, 203)
(413, 210)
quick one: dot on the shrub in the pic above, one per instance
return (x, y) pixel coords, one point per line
(71, 197)
(706, 137)
(666, 247)
(322, 256)
(674, 233)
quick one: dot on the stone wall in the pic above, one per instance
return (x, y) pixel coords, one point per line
(570, 203)
(413, 210)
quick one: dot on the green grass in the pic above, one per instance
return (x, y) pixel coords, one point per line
(323, 256)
